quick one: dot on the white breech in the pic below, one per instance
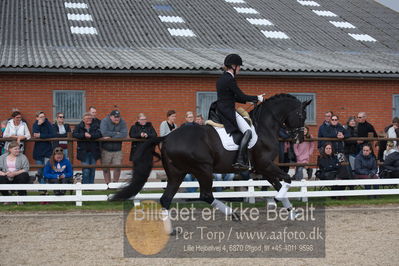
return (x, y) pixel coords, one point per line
(242, 124)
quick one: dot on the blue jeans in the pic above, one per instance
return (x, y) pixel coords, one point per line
(189, 177)
(40, 178)
(222, 177)
(88, 173)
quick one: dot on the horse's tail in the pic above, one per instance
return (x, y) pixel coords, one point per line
(143, 162)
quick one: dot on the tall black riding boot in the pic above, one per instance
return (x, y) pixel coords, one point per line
(242, 157)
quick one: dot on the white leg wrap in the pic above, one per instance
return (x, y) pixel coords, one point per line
(167, 224)
(283, 190)
(217, 204)
(286, 203)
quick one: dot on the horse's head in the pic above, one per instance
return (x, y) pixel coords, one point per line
(295, 121)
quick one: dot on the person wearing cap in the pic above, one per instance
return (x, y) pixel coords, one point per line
(113, 126)
(228, 93)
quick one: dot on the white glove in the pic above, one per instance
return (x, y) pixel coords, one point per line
(260, 97)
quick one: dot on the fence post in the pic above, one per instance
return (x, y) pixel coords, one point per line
(78, 193)
(70, 147)
(251, 189)
(304, 189)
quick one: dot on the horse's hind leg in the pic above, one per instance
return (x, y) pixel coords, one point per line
(175, 178)
(205, 179)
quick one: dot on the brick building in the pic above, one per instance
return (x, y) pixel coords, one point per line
(152, 56)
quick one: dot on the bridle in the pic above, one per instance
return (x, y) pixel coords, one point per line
(293, 132)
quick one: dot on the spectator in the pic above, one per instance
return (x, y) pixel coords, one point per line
(58, 170)
(366, 165)
(88, 151)
(363, 130)
(392, 131)
(350, 146)
(303, 151)
(168, 125)
(16, 129)
(222, 177)
(389, 132)
(389, 150)
(323, 128)
(189, 122)
(391, 163)
(189, 119)
(3, 126)
(199, 119)
(336, 130)
(61, 130)
(142, 129)
(328, 163)
(330, 168)
(14, 167)
(42, 150)
(113, 126)
(93, 112)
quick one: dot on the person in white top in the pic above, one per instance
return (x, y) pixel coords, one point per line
(392, 131)
(14, 167)
(16, 129)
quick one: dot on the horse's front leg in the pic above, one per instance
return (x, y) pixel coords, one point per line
(272, 173)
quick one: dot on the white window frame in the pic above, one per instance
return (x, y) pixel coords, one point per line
(395, 108)
(69, 119)
(198, 107)
(313, 104)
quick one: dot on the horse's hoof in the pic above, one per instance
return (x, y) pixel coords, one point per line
(173, 233)
(293, 215)
(235, 217)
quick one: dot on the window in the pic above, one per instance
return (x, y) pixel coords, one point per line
(311, 108)
(72, 103)
(204, 101)
(395, 105)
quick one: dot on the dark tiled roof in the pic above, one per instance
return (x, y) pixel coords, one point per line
(131, 36)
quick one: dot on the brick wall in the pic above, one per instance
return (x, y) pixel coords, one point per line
(154, 95)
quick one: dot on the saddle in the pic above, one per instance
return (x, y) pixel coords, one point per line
(214, 119)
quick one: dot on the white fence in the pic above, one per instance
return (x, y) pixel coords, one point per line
(250, 193)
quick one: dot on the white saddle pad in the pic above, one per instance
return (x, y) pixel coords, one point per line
(228, 142)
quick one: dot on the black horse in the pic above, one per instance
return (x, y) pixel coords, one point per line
(199, 151)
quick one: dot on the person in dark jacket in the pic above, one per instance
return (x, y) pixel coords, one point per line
(363, 130)
(113, 126)
(350, 146)
(88, 152)
(366, 165)
(42, 150)
(228, 93)
(329, 166)
(336, 130)
(61, 130)
(142, 129)
(323, 129)
(391, 164)
(93, 112)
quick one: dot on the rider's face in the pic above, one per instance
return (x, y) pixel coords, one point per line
(238, 68)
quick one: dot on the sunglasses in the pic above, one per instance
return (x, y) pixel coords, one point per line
(334, 119)
(61, 116)
(59, 150)
(360, 117)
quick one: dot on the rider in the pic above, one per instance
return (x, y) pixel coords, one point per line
(228, 94)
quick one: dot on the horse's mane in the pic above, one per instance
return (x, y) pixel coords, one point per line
(279, 97)
(256, 111)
